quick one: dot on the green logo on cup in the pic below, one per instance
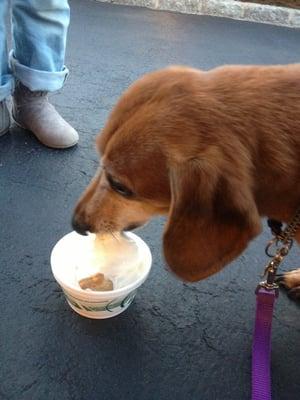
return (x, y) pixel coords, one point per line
(110, 307)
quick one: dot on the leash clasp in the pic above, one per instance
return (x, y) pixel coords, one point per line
(274, 242)
(269, 283)
(270, 274)
(271, 269)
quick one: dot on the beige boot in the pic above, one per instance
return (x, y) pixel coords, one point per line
(32, 111)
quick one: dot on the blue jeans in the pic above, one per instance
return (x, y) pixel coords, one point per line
(39, 31)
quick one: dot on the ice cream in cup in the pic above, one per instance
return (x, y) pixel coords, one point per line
(100, 275)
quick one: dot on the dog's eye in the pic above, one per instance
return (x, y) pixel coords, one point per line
(119, 187)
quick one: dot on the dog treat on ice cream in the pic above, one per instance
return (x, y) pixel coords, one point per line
(96, 282)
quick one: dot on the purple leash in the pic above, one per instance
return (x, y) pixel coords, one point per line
(261, 348)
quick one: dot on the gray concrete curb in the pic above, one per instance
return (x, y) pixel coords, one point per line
(253, 12)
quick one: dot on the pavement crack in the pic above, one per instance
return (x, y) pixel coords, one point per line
(29, 386)
(206, 339)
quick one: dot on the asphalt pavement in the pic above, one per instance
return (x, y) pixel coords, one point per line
(176, 341)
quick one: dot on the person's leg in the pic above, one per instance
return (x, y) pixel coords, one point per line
(39, 43)
(37, 60)
(6, 81)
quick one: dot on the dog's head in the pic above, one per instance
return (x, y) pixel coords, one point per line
(162, 155)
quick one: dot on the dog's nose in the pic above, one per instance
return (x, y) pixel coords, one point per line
(80, 227)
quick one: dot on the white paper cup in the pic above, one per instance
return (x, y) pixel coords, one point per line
(95, 304)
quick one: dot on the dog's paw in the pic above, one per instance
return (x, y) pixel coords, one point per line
(291, 282)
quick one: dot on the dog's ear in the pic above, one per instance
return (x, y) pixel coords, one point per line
(212, 217)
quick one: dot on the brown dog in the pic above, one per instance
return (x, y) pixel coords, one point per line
(214, 151)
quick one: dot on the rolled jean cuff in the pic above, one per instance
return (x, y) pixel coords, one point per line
(7, 87)
(37, 80)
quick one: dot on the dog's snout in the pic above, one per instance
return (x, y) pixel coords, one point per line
(80, 227)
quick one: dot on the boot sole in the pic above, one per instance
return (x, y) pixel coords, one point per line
(51, 146)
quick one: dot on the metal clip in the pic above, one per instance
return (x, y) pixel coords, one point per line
(270, 273)
(269, 245)
(283, 250)
(271, 268)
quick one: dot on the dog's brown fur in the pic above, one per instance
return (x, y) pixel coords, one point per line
(214, 151)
